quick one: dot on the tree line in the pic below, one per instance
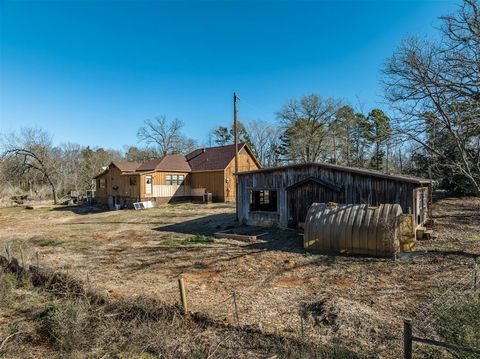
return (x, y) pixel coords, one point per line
(431, 128)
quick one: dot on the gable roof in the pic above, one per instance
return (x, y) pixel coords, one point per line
(362, 171)
(321, 181)
(202, 159)
(215, 158)
(126, 166)
(166, 163)
(123, 166)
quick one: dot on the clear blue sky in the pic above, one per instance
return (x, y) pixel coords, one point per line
(92, 71)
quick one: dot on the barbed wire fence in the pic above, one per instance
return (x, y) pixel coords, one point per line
(428, 323)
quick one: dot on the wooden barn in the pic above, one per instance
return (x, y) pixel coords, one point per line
(175, 177)
(282, 195)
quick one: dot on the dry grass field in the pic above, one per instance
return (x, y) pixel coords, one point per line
(354, 304)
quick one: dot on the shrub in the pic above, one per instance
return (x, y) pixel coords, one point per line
(67, 325)
(8, 282)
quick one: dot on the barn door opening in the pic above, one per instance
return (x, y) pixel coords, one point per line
(301, 197)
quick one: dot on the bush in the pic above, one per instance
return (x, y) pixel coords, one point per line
(8, 282)
(67, 325)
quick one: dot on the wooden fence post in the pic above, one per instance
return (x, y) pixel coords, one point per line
(407, 339)
(183, 296)
(236, 308)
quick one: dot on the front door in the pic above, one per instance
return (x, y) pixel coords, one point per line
(148, 185)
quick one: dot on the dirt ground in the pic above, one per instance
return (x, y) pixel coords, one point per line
(357, 301)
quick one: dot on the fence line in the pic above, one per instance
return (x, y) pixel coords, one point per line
(443, 303)
(451, 296)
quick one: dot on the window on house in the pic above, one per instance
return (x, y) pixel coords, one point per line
(133, 181)
(263, 200)
(174, 179)
(101, 183)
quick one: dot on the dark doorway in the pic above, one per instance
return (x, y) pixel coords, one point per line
(301, 197)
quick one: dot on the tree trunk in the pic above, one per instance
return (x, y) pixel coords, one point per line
(386, 157)
(334, 149)
(54, 190)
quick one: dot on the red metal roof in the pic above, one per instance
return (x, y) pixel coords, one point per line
(166, 163)
(126, 166)
(212, 158)
(202, 159)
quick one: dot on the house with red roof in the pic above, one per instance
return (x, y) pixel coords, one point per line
(176, 177)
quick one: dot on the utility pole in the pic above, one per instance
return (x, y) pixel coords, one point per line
(235, 130)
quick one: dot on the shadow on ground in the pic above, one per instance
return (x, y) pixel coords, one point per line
(81, 209)
(269, 239)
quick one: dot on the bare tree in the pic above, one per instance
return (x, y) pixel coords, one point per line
(165, 135)
(306, 124)
(435, 87)
(33, 151)
(265, 141)
(71, 166)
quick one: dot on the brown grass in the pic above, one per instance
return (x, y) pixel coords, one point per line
(126, 253)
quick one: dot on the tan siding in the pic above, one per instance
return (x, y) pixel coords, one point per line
(245, 163)
(113, 177)
(159, 179)
(101, 192)
(213, 181)
(220, 183)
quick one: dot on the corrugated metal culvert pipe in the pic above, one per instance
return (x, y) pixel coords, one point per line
(357, 229)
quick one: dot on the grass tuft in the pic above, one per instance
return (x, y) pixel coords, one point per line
(198, 239)
(49, 243)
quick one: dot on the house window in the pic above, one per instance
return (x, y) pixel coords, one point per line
(148, 185)
(101, 182)
(133, 181)
(263, 200)
(174, 179)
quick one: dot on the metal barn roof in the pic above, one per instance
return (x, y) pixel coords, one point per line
(362, 171)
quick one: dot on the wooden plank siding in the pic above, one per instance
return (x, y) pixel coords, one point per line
(357, 188)
(214, 174)
(245, 163)
(159, 179)
(213, 181)
(118, 185)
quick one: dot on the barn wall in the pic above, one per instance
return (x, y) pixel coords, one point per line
(357, 189)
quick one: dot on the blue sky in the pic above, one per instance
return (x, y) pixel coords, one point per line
(92, 71)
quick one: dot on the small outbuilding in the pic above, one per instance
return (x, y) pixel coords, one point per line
(281, 196)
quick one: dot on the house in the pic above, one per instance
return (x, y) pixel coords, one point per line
(282, 195)
(176, 177)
